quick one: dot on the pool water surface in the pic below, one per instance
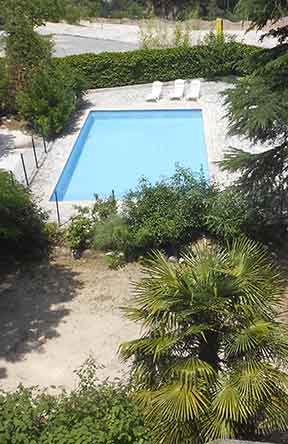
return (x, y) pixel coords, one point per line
(116, 148)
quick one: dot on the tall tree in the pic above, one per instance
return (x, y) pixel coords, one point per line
(212, 358)
(257, 109)
(26, 50)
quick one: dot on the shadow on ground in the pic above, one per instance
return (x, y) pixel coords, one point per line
(31, 307)
(7, 143)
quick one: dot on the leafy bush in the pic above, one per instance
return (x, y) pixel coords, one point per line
(170, 213)
(115, 260)
(92, 414)
(22, 223)
(54, 233)
(50, 99)
(231, 215)
(80, 231)
(4, 85)
(167, 215)
(210, 59)
(112, 234)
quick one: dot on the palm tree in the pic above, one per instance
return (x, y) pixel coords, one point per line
(212, 358)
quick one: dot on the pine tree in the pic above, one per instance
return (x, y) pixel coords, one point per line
(257, 109)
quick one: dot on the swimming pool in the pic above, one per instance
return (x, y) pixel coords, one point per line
(116, 148)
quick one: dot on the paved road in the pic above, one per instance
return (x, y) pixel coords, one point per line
(98, 37)
(68, 44)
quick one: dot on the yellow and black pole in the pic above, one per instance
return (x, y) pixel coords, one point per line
(219, 27)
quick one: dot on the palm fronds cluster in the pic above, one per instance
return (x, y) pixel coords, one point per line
(212, 357)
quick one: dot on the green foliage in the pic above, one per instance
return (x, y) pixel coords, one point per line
(155, 33)
(54, 233)
(210, 59)
(112, 234)
(104, 209)
(212, 359)
(50, 99)
(80, 230)
(256, 108)
(94, 413)
(230, 214)
(26, 51)
(22, 230)
(115, 260)
(4, 86)
(170, 213)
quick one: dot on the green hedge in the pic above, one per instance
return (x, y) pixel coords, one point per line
(146, 65)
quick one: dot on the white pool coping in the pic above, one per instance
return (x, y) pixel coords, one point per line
(133, 98)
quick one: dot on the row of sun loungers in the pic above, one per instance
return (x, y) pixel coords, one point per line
(193, 92)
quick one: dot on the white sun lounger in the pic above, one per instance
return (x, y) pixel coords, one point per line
(194, 90)
(155, 93)
(178, 91)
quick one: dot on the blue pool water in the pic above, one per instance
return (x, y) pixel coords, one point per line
(116, 148)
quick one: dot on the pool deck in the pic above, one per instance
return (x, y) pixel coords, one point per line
(133, 97)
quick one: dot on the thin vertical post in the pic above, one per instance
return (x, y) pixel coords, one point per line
(11, 176)
(24, 169)
(34, 151)
(44, 141)
(57, 208)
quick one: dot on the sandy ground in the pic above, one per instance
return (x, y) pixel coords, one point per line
(54, 316)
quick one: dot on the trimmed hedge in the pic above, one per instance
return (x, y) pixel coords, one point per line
(112, 69)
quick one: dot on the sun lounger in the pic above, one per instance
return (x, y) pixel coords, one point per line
(155, 93)
(194, 90)
(178, 91)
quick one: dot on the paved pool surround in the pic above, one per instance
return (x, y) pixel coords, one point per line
(215, 124)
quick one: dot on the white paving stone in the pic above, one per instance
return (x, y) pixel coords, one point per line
(132, 97)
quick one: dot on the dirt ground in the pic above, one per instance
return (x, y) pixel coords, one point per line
(54, 316)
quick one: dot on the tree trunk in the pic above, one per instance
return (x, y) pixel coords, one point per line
(209, 349)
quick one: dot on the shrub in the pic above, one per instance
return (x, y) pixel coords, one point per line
(230, 214)
(93, 413)
(104, 209)
(80, 231)
(4, 86)
(54, 233)
(22, 222)
(113, 234)
(170, 213)
(83, 225)
(50, 99)
(215, 58)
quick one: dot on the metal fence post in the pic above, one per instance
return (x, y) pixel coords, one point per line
(34, 151)
(57, 208)
(24, 168)
(44, 141)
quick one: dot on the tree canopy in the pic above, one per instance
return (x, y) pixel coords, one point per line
(257, 109)
(211, 360)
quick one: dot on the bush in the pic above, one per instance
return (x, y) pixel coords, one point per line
(169, 214)
(210, 59)
(80, 231)
(54, 233)
(4, 86)
(92, 414)
(50, 99)
(22, 223)
(113, 234)
(231, 215)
